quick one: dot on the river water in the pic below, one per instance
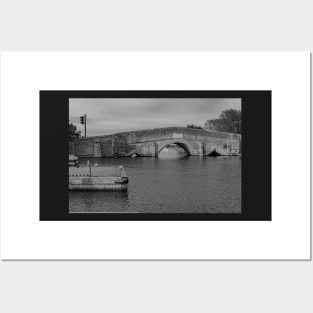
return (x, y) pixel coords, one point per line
(171, 183)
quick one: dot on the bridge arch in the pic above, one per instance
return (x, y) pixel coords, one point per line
(185, 145)
(214, 153)
(134, 154)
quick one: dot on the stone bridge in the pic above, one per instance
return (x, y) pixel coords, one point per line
(151, 142)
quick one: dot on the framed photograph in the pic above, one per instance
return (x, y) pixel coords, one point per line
(155, 156)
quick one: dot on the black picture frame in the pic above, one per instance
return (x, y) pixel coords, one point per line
(256, 156)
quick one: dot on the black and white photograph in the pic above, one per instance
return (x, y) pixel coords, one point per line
(148, 156)
(155, 155)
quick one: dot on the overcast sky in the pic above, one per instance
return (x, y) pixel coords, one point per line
(109, 116)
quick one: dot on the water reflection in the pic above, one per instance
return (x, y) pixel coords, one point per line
(94, 201)
(173, 182)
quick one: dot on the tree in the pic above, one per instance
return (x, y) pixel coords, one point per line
(228, 122)
(194, 126)
(72, 131)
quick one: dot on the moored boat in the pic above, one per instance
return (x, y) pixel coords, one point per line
(73, 160)
(98, 178)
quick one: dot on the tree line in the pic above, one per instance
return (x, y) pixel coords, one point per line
(229, 121)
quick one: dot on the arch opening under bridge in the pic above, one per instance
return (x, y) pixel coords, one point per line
(185, 146)
(214, 153)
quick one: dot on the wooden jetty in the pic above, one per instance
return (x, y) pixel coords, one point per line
(98, 178)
